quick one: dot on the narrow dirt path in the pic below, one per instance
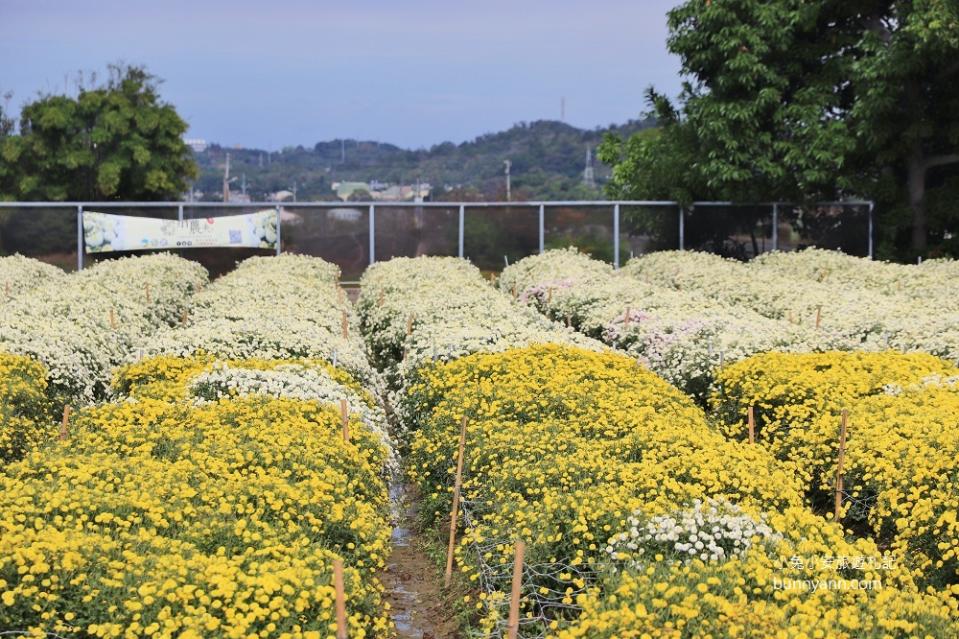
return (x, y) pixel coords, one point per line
(413, 583)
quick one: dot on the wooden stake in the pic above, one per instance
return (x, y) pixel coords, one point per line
(340, 294)
(513, 291)
(409, 325)
(381, 298)
(340, 599)
(113, 319)
(752, 425)
(184, 316)
(818, 316)
(345, 418)
(345, 324)
(549, 296)
(512, 627)
(454, 513)
(149, 297)
(6, 289)
(626, 318)
(839, 463)
(65, 424)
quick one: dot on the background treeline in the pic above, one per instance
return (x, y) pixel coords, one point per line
(548, 159)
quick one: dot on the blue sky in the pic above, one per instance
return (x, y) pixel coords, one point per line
(415, 73)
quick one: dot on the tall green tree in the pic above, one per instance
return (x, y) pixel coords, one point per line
(799, 100)
(118, 141)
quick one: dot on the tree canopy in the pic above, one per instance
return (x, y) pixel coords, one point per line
(117, 141)
(797, 100)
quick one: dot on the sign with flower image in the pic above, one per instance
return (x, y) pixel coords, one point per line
(106, 232)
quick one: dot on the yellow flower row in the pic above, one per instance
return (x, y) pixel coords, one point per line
(175, 520)
(902, 442)
(24, 407)
(564, 446)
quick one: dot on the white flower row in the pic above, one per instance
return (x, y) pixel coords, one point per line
(19, 275)
(283, 307)
(84, 324)
(681, 335)
(713, 531)
(859, 304)
(419, 309)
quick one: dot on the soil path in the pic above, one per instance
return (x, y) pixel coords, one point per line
(413, 584)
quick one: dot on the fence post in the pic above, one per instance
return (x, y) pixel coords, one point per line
(682, 228)
(616, 235)
(542, 227)
(79, 237)
(775, 226)
(462, 229)
(871, 233)
(372, 234)
(278, 218)
(179, 213)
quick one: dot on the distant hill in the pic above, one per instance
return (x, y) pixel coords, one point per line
(548, 158)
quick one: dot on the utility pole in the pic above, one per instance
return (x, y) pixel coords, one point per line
(342, 151)
(226, 180)
(243, 184)
(508, 164)
(294, 190)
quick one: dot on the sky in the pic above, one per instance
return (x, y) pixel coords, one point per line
(413, 73)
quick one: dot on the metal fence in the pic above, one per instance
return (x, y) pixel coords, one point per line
(491, 234)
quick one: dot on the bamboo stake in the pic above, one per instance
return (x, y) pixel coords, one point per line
(818, 316)
(113, 319)
(65, 424)
(345, 418)
(345, 325)
(752, 425)
(409, 325)
(512, 626)
(454, 513)
(6, 289)
(839, 463)
(340, 599)
(626, 318)
(549, 295)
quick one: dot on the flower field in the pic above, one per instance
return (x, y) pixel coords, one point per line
(206, 480)
(666, 440)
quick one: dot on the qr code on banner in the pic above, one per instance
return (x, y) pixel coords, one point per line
(236, 236)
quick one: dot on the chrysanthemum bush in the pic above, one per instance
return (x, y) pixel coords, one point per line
(683, 336)
(168, 519)
(24, 406)
(203, 378)
(415, 310)
(84, 324)
(900, 469)
(566, 448)
(284, 307)
(19, 275)
(918, 313)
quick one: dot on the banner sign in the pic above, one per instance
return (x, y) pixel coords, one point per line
(105, 232)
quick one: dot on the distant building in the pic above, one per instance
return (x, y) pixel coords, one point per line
(198, 145)
(281, 196)
(239, 198)
(383, 192)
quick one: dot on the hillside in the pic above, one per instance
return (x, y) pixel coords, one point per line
(548, 158)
